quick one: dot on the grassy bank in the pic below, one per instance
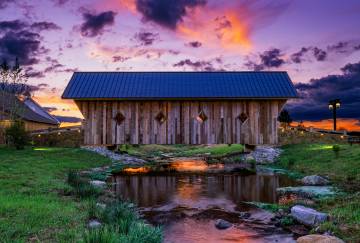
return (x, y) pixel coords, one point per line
(183, 150)
(342, 166)
(32, 203)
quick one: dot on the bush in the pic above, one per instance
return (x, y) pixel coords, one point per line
(336, 149)
(16, 135)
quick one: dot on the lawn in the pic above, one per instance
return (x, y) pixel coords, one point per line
(343, 169)
(32, 205)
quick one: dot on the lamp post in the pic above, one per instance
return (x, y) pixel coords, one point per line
(334, 105)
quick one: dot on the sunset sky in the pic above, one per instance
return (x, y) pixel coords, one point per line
(316, 42)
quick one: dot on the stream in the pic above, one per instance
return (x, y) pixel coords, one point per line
(187, 196)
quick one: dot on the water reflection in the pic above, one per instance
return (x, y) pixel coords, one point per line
(148, 190)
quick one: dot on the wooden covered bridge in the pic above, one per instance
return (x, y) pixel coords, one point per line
(180, 107)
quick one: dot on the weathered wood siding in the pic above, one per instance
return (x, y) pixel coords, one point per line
(181, 126)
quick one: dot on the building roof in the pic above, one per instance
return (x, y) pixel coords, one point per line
(179, 85)
(27, 108)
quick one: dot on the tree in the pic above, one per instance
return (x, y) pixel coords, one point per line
(12, 87)
(285, 118)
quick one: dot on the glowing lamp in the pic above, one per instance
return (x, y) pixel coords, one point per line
(331, 106)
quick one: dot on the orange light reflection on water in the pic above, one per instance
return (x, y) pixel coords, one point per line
(193, 165)
(137, 170)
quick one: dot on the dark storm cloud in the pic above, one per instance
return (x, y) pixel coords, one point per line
(272, 58)
(297, 57)
(24, 45)
(164, 12)
(146, 38)
(40, 26)
(198, 65)
(14, 25)
(22, 40)
(194, 44)
(317, 93)
(319, 54)
(94, 24)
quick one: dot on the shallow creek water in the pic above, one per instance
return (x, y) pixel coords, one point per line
(187, 196)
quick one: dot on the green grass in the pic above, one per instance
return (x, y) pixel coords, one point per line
(184, 150)
(341, 163)
(32, 202)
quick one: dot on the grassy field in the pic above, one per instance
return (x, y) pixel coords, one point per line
(342, 166)
(32, 205)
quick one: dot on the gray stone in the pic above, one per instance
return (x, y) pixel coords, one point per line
(314, 180)
(264, 154)
(308, 216)
(124, 158)
(244, 215)
(98, 184)
(307, 191)
(319, 239)
(94, 224)
(222, 224)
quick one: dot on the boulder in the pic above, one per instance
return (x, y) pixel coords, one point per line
(98, 184)
(308, 216)
(94, 224)
(319, 239)
(222, 224)
(314, 180)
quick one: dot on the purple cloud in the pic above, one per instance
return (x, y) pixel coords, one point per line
(272, 58)
(194, 44)
(146, 38)
(164, 12)
(95, 23)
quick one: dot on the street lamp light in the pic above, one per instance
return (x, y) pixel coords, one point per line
(334, 105)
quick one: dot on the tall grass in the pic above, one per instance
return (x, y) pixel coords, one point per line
(121, 224)
(81, 186)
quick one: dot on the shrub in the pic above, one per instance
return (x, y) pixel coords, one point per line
(336, 149)
(16, 135)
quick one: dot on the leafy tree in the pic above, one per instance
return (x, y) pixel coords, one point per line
(285, 117)
(12, 83)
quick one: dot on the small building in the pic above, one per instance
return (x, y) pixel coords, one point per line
(28, 110)
(180, 107)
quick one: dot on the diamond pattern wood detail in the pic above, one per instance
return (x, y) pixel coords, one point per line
(201, 116)
(160, 117)
(119, 118)
(243, 117)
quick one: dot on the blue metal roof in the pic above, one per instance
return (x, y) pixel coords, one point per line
(179, 85)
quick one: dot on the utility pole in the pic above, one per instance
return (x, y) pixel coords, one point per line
(334, 105)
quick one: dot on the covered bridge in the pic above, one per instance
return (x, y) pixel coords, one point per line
(180, 107)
